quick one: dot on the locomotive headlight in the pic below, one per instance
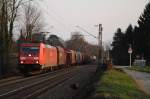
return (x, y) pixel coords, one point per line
(36, 58)
(22, 58)
(21, 62)
(37, 62)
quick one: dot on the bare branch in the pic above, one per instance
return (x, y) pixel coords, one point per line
(31, 20)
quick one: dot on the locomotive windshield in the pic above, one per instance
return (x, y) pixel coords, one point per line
(30, 49)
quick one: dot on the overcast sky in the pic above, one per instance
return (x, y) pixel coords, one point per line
(62, 16)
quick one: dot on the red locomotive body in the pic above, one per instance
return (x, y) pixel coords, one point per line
(37, 56)
(50, 56)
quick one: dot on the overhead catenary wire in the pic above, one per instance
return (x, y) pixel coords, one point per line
(86, 32)
(54, 16)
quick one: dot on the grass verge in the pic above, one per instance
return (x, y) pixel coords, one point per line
(115, 84)
(140, 68)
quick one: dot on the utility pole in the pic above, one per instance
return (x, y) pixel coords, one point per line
(100, 46)
(99, 38)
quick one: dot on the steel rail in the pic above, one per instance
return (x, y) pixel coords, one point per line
(35, 84)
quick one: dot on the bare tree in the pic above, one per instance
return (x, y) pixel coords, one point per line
(8, 15)
(78, 43)
(31, 21)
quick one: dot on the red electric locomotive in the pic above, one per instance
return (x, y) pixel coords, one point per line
(39, 56)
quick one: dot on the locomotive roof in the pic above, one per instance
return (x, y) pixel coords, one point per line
(30, 44)
(36, 44)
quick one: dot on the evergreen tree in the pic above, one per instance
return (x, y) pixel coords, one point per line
(138, 37)
(119, 51)
(144, 32)
(138, 42)
(129, 35)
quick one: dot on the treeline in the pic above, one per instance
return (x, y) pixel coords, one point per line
(16, 16)
(136, 36)
(78, 43)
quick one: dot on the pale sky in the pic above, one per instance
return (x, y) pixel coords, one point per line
(62, 16)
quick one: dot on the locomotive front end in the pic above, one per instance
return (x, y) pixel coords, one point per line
(29, 59)
(29, 55)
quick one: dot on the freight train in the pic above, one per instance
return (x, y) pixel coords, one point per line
(43, 57)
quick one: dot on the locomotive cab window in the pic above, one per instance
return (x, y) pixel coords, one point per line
(30, 49)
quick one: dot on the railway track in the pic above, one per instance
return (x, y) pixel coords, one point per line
(76, 87)
(29, 87)
(6, 80)
(19, 79)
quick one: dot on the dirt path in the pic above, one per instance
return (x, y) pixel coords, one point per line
(141, 78)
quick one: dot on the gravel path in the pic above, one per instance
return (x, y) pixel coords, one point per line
(141, 78)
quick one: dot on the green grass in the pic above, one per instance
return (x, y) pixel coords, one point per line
(140, 68)
(118, 85)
